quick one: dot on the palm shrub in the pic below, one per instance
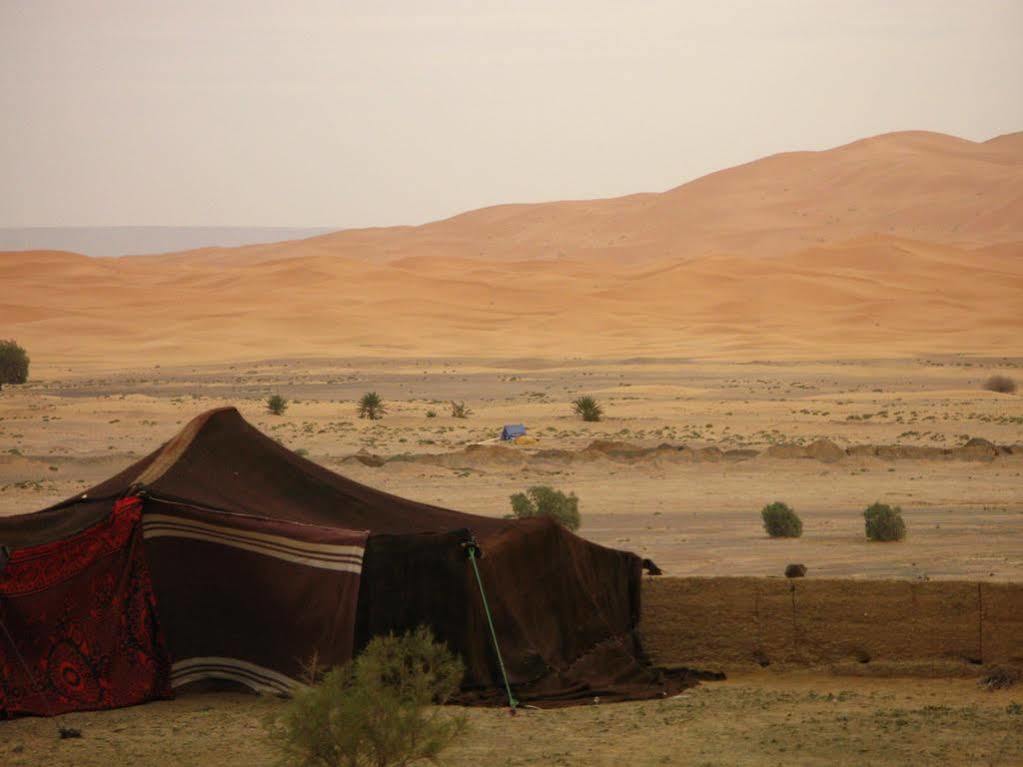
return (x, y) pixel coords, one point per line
(371, 406)
(780, 521)
(460, 410)
(13, 363)
(588, 408)
(277, 404)
(377, 711)
(884, 523)
(545, 501)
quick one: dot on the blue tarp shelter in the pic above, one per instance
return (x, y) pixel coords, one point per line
(512, 430)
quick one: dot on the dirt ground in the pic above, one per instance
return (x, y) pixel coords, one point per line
(64, 431)
(751, 719)
(69, 429)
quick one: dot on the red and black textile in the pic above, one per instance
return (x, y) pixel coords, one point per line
(80, 629)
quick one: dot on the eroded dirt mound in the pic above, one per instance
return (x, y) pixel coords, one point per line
(823, 450)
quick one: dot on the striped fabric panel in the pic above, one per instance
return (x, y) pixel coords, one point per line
(326, 556)
(255, 677)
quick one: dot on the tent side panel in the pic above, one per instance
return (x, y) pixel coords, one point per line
(252, 600)
(81, 628)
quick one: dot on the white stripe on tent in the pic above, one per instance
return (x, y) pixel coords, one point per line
(344, 558)
(258, 678)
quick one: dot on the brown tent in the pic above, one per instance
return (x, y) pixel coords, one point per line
(260, 559)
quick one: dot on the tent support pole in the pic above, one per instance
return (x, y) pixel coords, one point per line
(472, 548)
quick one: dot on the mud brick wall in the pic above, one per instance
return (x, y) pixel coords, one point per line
(721, 622)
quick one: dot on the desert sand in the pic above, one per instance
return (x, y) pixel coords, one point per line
(898, 245)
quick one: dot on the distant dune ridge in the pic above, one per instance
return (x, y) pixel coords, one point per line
(900, 244)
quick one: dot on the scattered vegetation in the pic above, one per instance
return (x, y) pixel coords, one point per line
(460, 410)
(1001, 384)
(545, 501)
(277, 404)
(431, 413)
(588, 408)
(780, 521)
(884, 523)
(371, 406)
(378, 711)
(1001, 678)
(13, 363)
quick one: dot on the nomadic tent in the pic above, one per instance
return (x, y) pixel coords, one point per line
(513, 430)
(225, 556)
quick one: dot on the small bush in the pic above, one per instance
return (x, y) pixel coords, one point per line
(588, 408)
(459, 410)
(376, 711)
(884, 523)
(1000, 384)
(277, 404)
(780, 521)
(545, 501)
(431, 413)
(371, 406)
(13, 363)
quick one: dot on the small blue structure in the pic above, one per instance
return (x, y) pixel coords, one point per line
(513, 430)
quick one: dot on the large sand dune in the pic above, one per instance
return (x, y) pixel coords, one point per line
(895, 245)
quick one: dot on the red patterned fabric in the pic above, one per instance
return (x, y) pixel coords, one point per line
(79, 618)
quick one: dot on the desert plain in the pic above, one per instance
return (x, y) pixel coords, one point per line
(815, 328)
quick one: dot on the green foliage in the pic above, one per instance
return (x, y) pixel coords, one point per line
(588, 408)
(780, 521)
(459, 410)
(277, 404)
(377, 711)
(371, 406)
(884, 523)
(545, 501)
(431, 413)
(13, 363)
(1000, 384)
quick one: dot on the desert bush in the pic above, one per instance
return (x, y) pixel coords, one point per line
(377, 711)
(1000, 384)
(780, 521)
(277, 404)
(545, 501)
(431, 413)
(13, 363)
(460, 410)
(371, 406)
(884, 523)
(588, 408)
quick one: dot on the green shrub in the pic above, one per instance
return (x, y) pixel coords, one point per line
(1000, 384)
(884, 523)
(431, 413)
(545, 501)
(780, 521)
(588, 408)
(13, 363)
(371, 406)
(277, 404)
(377, 711)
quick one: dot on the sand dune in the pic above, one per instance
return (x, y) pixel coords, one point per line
(898, 244)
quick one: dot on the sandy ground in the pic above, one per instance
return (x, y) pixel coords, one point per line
(59, 435)
(750, 719)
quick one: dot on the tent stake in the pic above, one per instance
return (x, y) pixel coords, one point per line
(472, 547)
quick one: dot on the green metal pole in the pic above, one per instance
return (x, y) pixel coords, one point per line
(490, 622)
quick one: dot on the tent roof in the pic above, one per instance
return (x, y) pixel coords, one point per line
(220, 461)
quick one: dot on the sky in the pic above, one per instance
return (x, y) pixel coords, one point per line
(348, 114)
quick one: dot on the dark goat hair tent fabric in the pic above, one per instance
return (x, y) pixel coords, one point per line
(262, 559)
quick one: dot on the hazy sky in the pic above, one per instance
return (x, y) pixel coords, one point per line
(196, 112)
